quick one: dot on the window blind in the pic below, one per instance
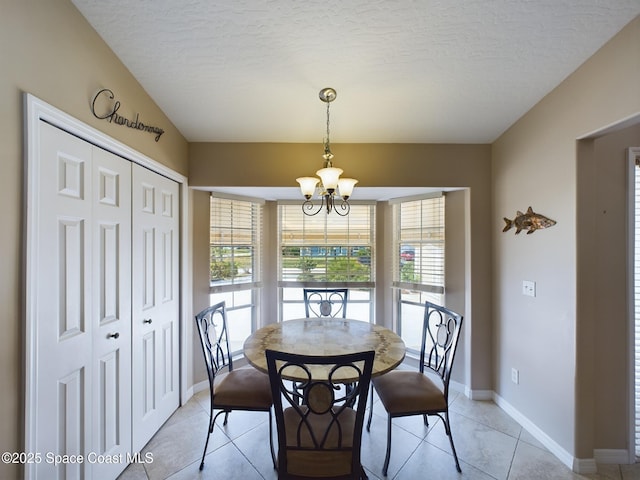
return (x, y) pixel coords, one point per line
(419, 244)
(234, 241)
(326, 248)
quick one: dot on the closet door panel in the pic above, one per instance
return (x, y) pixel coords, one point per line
(111, 314)
(64, 299)
(155, 302)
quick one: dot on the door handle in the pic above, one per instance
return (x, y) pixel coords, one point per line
(113, 335)
(147, 320)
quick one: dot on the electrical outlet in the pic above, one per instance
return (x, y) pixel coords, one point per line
(529, 288)
(515, 376)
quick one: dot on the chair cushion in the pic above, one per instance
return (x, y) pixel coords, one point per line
(243, 388)
(403, 392)
(319, 463)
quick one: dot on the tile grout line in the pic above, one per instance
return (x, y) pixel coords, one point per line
(409, 457)
(514, 454)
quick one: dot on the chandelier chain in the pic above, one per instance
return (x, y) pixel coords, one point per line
(328, 155)
(328, 105)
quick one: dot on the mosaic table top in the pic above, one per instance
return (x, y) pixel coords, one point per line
(326, 336)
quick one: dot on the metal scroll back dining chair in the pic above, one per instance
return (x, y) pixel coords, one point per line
(320, 434)
(325, 302)
(404, 392)
(229, 389)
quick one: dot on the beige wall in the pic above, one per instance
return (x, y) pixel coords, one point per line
(200, 272)
(549, 338)
(47, 49)
(386, 164)
(457, 236)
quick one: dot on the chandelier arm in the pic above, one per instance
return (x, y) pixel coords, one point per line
(308, 207)
(344, 206)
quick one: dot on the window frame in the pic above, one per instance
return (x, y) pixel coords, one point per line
(369, 285)
(424, 291)
(224, 291)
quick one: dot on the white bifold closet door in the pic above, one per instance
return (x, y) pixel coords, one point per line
(107, 307)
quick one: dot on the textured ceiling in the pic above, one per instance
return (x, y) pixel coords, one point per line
(436, 71)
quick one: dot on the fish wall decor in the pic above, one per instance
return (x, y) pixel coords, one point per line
(530, 221)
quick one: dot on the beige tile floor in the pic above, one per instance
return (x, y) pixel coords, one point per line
(490, 445)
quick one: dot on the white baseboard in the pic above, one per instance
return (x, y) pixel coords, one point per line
(577, 465)
(584, 465)
(198, 387)
(478, 394)
(187, 395)
(616, 456)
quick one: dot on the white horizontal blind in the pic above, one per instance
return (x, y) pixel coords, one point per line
(326, 247)
(636, 287)
(419, 250)
(234, 241)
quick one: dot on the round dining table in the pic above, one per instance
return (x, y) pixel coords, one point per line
(324, 337)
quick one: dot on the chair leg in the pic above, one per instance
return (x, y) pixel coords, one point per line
(447, 427)
(212, 422)
(273, 452)
(363, 474)
(385, 467)
(370, 411)
(226, 417)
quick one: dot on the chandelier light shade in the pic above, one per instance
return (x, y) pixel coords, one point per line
(346, 186)
(329, 185)
(308, 186)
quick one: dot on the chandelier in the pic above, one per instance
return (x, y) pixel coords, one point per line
(329, 185)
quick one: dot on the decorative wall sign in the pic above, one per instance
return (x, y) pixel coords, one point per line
(113, 117)
(530, 221)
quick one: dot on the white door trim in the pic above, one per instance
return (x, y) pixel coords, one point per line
(36, 111)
